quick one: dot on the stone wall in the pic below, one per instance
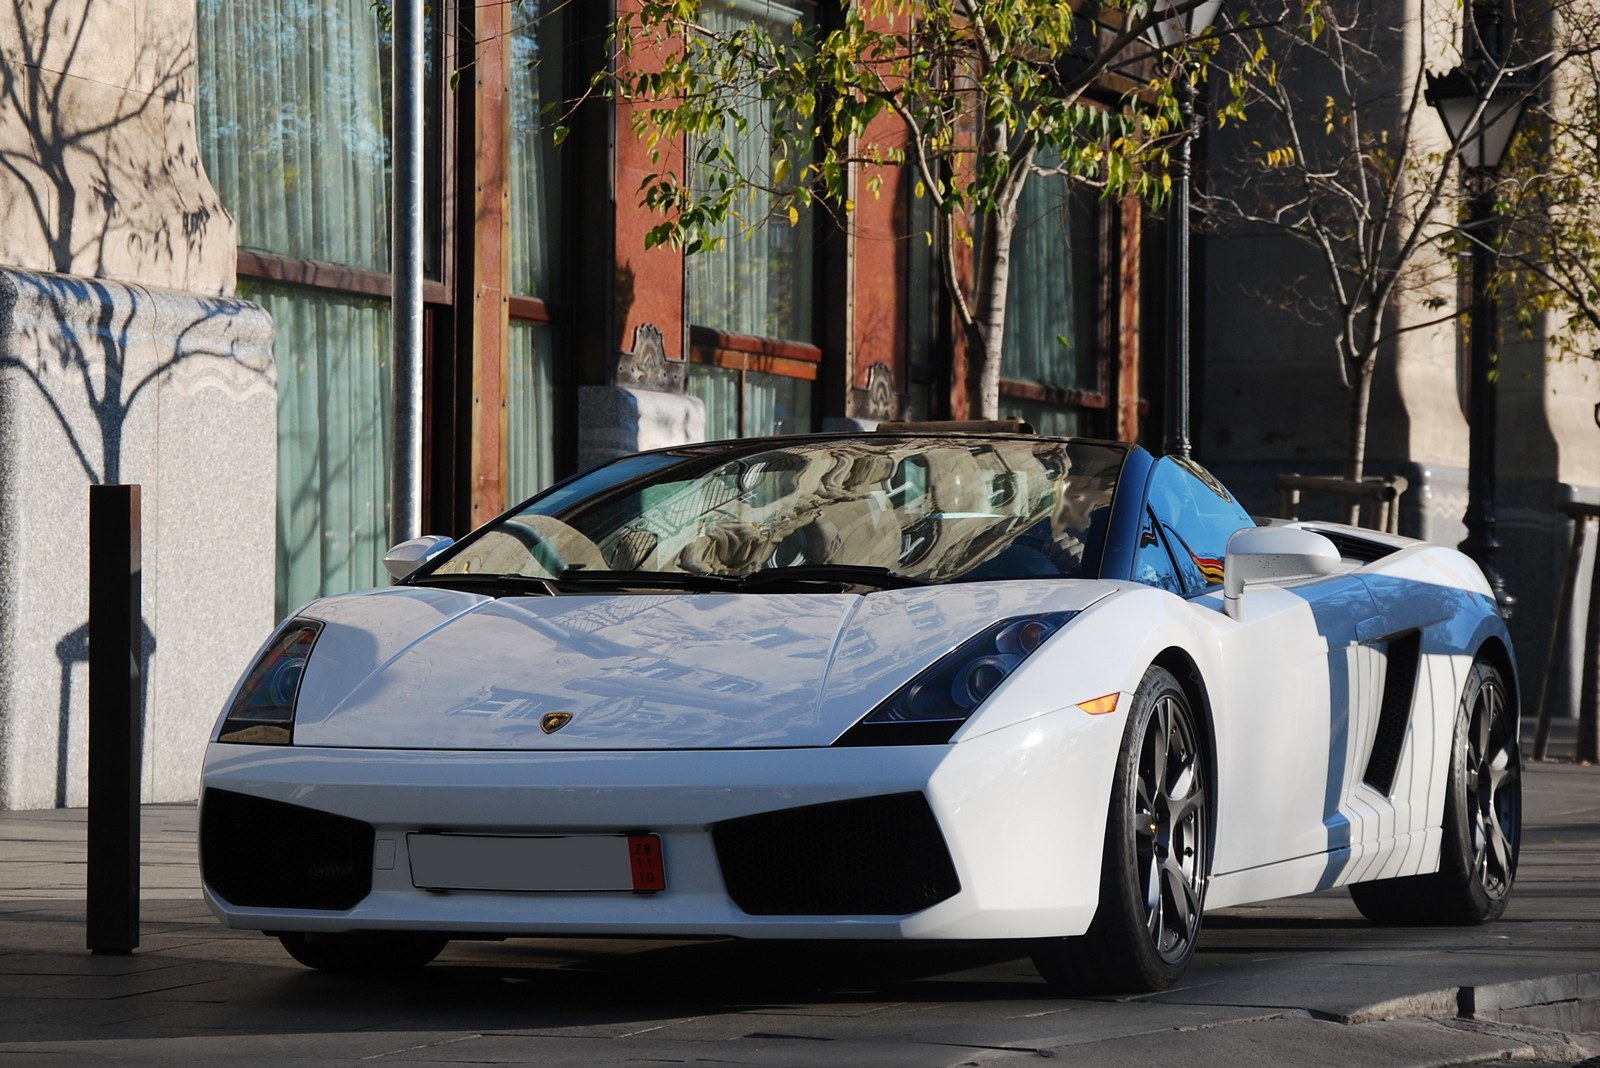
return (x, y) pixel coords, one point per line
(102, 382)
(100, 172)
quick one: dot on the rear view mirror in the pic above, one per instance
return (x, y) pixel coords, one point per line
(406, 557)
(1272, 554)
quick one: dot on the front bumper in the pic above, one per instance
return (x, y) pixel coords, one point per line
(1020, 813)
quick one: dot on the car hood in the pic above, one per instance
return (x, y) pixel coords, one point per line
(413, 668)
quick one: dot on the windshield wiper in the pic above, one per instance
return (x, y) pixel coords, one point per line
(574, 579)
(493, 585)
(840, 575)
(835, 577)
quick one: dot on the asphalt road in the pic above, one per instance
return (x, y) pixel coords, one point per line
(1303, 981)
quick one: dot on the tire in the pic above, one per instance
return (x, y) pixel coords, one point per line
(1157, 856)
(1482, 821)
(364, 954)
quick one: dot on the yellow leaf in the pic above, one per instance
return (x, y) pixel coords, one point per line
(794, 215)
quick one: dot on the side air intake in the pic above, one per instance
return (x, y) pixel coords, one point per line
(258, 853)
(1399, 694)
(877, 856)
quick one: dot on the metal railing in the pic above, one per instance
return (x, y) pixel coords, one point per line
(1381, 495)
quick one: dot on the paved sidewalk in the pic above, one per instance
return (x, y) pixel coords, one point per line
(1302, 981)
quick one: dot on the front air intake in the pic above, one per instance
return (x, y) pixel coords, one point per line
(257, 853)
(878, 856)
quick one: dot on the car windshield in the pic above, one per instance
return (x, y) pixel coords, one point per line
(865, 510)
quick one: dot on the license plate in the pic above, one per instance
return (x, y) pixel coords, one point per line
(537, 864)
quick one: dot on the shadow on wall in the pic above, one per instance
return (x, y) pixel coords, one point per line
(71, 651)
(95, 168)
(79, 361)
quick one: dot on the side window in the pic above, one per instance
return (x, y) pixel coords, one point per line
(1198, 516)
(1152, 564)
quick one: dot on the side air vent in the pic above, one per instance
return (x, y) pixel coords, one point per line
(258, 853)
(1355, 548)
(877, 856)
(1399, 694)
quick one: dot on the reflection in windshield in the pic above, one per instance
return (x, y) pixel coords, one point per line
(925, 509)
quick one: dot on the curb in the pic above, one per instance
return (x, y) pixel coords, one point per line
(1568, 1002)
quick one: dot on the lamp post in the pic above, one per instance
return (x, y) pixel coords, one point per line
(1480, 107)
(1182, 19)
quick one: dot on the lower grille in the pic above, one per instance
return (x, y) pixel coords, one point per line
(879, 856)
(267, 854)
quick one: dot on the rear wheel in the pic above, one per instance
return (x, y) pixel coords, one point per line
(1157, 852)
(362, 953)
(1482, 821)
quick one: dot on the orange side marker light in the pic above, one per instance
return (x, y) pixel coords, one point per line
(1101, 705)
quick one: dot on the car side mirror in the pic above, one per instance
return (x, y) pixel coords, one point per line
(1272, 554)
(406, 557)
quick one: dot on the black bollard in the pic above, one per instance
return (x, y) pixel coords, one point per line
(115, 719)
(1588, 748)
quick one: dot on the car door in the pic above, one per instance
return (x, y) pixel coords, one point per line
(1294, 672)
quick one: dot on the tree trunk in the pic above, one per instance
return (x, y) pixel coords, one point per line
(989, 319)
(1355, 457)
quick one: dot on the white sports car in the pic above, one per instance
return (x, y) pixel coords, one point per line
(901, 685)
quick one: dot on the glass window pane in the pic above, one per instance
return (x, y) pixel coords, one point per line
(774, 404)
(1051, 324)
(1198, 516)
(718, 387)
(1050, 320)
(291, 124)
(758, 281)
(1151, 564)
(333, 355)
(1057, 419)
(536, 70)
(530, 412)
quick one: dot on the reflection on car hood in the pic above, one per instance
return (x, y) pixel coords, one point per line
(428, 668)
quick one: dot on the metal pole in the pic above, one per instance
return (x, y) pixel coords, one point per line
(115, 719)
(1177, 420)
(405, 497)
(1481, 543)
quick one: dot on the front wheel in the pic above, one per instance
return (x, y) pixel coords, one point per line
(1482, 820)
(362, 953)
(1156, 859)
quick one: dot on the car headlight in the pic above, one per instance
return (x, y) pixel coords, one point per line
(262, 712)
(928, 709)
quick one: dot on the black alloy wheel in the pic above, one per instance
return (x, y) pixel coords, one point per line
(1157, 855)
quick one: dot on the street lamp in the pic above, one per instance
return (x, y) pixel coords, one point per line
(1177, 22)
(1480, 107)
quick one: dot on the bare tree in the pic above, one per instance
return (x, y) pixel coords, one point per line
(1552, 197)
(1338, 161)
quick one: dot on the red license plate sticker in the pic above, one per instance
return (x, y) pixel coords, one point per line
(649, 873)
